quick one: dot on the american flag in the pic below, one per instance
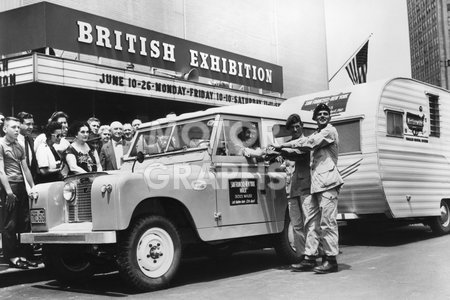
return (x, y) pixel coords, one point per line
(357, 67)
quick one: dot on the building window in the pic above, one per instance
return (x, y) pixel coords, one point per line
(435, 126)
(394, 123)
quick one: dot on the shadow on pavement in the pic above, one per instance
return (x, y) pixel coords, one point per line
(10, 277)
(384, 236)
(192, 270)
(202, 269)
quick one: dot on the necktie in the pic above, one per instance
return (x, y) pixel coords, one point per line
(27, 151)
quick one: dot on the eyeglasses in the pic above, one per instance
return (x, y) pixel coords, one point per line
(323, 113)
(57, 135)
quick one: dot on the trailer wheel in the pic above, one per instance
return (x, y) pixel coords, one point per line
(441, 224)
(149, 253)
(284, 243)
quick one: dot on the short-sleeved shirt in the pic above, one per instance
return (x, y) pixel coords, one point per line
(46, 158)
(86, 161)
(12, 155)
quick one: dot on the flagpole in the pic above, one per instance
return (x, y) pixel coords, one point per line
(351, 57)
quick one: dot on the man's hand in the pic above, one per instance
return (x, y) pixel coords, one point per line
(274, 148)
(10, 201)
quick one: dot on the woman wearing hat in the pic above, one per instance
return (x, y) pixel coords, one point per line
(81, 157)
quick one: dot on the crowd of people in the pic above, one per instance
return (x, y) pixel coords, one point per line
(60, 150)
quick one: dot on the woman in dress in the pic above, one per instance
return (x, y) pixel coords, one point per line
(49, 161)
(81, 157)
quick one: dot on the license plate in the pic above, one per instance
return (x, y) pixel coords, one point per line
(37, 216)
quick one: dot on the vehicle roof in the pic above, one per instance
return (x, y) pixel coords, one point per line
(253, 110)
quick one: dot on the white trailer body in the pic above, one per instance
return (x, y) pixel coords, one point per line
(394, 147)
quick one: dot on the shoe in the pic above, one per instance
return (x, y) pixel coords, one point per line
(305, 265)
(327, 267)
(18, 264)
(29, 262)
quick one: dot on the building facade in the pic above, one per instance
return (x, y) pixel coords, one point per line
(118, 60)
(429, 41)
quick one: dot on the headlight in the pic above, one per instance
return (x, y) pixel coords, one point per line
(69, 191)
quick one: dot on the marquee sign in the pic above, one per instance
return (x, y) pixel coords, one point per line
(16, 71)
(42, 25)
(72, 73)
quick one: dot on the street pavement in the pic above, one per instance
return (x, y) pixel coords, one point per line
(407, 262)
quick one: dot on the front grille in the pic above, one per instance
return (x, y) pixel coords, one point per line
(80, 209)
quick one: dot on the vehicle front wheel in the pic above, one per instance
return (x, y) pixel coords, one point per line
(149, 253)
(67, 264)
(284, 244)
(441, 224)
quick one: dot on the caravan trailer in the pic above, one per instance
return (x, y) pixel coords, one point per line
(394, 149)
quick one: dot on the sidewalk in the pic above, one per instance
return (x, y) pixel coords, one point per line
(4, 265)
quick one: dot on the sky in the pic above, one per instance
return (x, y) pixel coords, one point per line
(350, 22)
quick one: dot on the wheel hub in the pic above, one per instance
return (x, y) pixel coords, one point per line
(155, 252)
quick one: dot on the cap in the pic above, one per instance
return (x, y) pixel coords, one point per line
(320, 107)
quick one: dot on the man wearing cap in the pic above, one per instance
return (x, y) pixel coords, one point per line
(325, 185)
(298, 186)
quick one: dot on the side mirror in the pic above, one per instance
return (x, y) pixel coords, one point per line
(140, 157)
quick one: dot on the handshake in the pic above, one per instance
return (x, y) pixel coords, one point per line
(272, 152)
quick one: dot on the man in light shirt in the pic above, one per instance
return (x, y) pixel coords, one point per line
(112, 152)
(14, 173)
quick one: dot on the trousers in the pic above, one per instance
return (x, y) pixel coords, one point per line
(15, 221)
(322, 235)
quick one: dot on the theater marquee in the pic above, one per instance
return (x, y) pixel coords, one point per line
(48, 25)
(71, 73)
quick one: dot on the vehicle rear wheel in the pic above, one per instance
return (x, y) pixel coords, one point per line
(441, 224)
(149, 253)
(284, 244)
(67, 264)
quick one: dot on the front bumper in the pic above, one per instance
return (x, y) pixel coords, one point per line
(78, 233)
(98, 237)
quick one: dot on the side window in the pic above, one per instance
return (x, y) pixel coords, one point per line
(349, 136)
(235, 136)
(435, 124)
(394, 121)
(283, 135)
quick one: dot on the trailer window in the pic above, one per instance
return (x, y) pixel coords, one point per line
(394, 123)
(434, 115)
(349, 136)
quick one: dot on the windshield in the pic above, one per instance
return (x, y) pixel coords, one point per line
(194, 134)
